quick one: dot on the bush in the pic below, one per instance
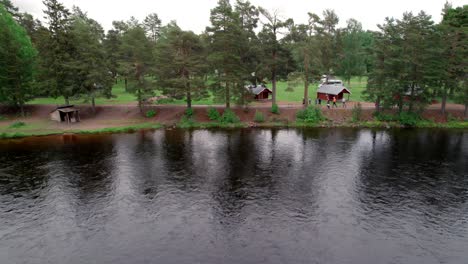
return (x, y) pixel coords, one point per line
(409, 119)
(310, 115)
(2, 118)
(357, 112)
(385, 117)
(151, 113)
(275, 109)
(213, 114)
(259, 117)
(229, 117)
(17, 124)
(164, 101)
(189, 112)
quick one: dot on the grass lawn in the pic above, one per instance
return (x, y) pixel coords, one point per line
(357, 87)
(120, 96)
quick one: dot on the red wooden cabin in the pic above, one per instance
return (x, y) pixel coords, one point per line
(260, 92)
(328, 91)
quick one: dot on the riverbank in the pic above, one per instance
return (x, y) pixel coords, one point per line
(126, 118)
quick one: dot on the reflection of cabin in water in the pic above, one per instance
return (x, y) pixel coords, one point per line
(328, 91)
(66, 113)
(260, 92)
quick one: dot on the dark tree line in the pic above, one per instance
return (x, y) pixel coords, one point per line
(408, 61)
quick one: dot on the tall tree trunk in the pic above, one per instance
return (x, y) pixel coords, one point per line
(93, 104)
(22, 109)
(466, 111)
(306, 80)
(377, 104)
(228, 96)
(400, 104)
(410, 108)
(67, 100)
(126, 84)
(444, 100)
(140, 104)
(189, 97)
(273, 86)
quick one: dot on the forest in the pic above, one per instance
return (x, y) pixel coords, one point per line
(68, 55)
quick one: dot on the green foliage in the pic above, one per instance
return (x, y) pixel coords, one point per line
(385, 117)
(92, 78)
(275, 109)
(151, 113)
(310, 115)
(17, 124)
(2, 118)
(189, 112)
(409, 119)
(56, 66)
(259, 117)
(357, 112)
(213, 114)
(187, 122)
(17, 59)
(229, 117)
(181, 60)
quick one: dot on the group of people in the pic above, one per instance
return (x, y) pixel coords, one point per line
(332, 100)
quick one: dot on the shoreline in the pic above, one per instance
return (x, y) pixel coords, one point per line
(462, 125)
(124, 118)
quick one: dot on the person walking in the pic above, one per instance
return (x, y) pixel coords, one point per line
(344, 102)
(334, 102)
(328, 104)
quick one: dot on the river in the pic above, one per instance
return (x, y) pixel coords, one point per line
(236, 196)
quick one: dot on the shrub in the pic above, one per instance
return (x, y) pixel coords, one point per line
(385, 117)
(213, 114)
(164, 101)
(409, 119)
(189, 112)
(450, 118)
(310, 115)
(259, 117)
(275, 109)
(357, 112)
(2, 118)
(151, 113)
(17, 124)
(229, 117)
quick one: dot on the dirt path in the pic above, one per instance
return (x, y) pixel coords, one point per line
(125, 115)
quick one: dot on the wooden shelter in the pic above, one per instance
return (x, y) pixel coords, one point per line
(67, 113)
(260, 92)
(328, 91)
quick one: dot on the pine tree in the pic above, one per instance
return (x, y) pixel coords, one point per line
(452, 68)
(224, 57)
(17, 58)
(152, 26)
(136, 59)
(56, 69)
(181, 60)
(269, 37)
(92, 78)
(352, 57)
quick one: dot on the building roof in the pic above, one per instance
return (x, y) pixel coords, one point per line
(333, 89)
(66, 109)
(257, 89)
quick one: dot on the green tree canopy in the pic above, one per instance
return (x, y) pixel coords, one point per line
(17, 59)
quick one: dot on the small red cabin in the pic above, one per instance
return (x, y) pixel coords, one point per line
(260, 92)
(328, 91)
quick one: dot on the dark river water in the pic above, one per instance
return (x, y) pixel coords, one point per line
(236, 196)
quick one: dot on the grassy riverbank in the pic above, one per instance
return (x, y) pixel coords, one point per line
(121, 118)
(27, 131)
